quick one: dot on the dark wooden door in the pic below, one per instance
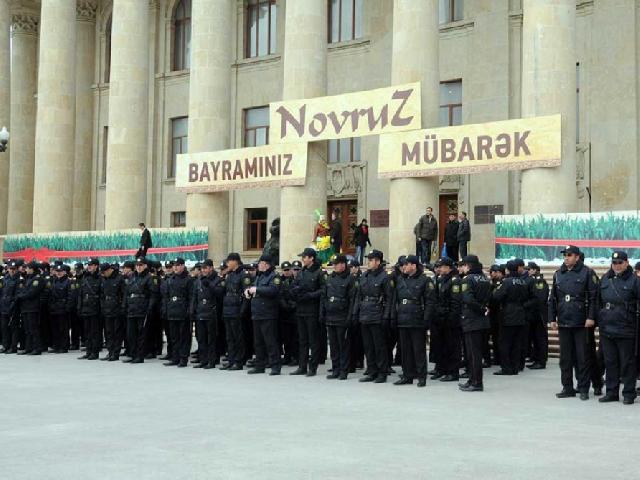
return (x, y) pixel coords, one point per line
(448, 204)
(347, 213)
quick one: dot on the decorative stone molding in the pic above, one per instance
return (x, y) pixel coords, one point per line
(583, 167)
(86, 10)
(24, 23)
(345, 179)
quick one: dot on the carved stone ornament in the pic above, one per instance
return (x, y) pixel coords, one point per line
(345, 179)
(24, 23)
(86, 10)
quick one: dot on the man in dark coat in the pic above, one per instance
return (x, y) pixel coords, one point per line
(177, 304)
(60, 307)
(287, 326)
(207, 293)
(111, 299)
(9, 316)
(427, 233)
(89, 309)
(464, 233)
(336, 232)
(139, 302)
(235, 282)
(145, 241)
(451, 237)
(538, 319)
(29, 293)
(447, 322)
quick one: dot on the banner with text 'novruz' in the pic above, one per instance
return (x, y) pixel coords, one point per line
(252, 167)
(370, 112)
(503, 145)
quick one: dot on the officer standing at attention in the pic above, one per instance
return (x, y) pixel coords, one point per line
(9, 317)
(306, 290)
(572, 310)
(336, 306)
(60, 307)
(618, 295)
(448, 317)
(207, 290)
(287, 328)
(539, 319)
(236, 280)
(89, 309)
(356, 355)
(177, 302)
(112, 296)
(373, 308)
(415, 300)
(29, 298)
(475, 293)
(138, 305)
(265, 306)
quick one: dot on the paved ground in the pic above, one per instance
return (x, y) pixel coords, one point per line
(61, 418)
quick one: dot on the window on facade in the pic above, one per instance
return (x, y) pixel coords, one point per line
(451, 11)
(182, 36)
(345, 150)
(256, 126)
(179, 142)
(451, 103)
(105, 146)
(178, 219)
(260, 36)
(345, 20)
(107, 51)
(255, 228)
(485, 214)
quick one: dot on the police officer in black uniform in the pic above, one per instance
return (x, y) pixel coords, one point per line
(539, 333)
(89, 309)
(235, 281)
(306, 291)
(512, 294)
(618, 295)
(29, 293)
(496, 275)
(207, 290)
(336, 304)
(177, 302)
(356, 354)
(475, 293)
(9, 316)
(572, 310)
(111, 299)
(414, 302)
(265, 307)
(138, 305)
(77, 328)
(372, 308)
(287, 325)
(448, 318)
(61, 300)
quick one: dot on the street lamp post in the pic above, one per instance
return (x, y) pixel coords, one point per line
(4, 139)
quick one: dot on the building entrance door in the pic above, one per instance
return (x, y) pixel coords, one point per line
(347, 214)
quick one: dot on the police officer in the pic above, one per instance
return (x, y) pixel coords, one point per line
(234, 284)
(306, 291)
(111, 298)
(89, 309)
(177, 302)
(265, 307)
(619, 294)
(496, 275)
(572, 310)
(287, 326)
(511, 294)
(415, 300)
(46, 333)
(168, 272)
(29, 293)
(372, 308)
(77, 328)
(338, 293)
(356, 359)
(138, 305)
(539, 333)
(206, 292)
(61, 300)
(448, 319)
(475, 293)
(9, 316)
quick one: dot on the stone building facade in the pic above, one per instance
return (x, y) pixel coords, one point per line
(100, 95)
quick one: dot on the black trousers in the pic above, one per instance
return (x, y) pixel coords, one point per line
(154, 334)
(494, 334)
(114, 332)
(265, 338)
(9, 325)
(289, 338)
(525, 345)
(473, 341)
(221, 335)
(247, 328)
(93, 334)
(436, 345)
(510, 348)
(451, 351)
(620, 364)
(452, 251)
(181, 338)
(308, 341)
(539, 337)
(356, 353)
(375, 349)
(323, 344)
(59, 331)
(77, 331)
(167, 332)
(235, 340)
(136, 334)
(413, 342)
(392, 340)
(340, 349)
(574, 354)
(46, 334)
(597, 360)
(207, 333)
(31, 323)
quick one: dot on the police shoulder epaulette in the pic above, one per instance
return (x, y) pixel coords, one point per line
(277, 280)
(246, 280)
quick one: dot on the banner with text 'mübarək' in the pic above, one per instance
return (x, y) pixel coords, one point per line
(108, 245)
(541, 238)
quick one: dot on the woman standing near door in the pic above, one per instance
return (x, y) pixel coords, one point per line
(361, 239)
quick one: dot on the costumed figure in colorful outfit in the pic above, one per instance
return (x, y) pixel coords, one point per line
(323, 240)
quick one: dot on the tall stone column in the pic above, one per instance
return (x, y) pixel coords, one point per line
(549, 87)
(56, 117)
(85, 64)
(125, 199)
(209, 110)
(24, 47)
(305, 76)
(414, 59)
(5, 98)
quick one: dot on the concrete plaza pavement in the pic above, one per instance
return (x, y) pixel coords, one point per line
(61, 418)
